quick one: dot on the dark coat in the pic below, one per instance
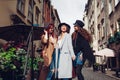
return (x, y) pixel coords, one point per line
(81, 44)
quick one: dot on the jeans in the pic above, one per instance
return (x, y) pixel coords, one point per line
(79, 72)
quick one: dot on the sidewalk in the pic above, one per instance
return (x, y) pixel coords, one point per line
(89, 74)
(111, 74)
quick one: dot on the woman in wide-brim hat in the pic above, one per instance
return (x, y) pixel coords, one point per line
(65, 24)
(65, 52)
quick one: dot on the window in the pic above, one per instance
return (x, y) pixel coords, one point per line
(116, 2)
(21, 6)
(110, 6)
(30, 11)
(98, 9)
(102, 4)
(118, 25)
(112, 29)
(37, 15)
(103, 27)
(99, 31)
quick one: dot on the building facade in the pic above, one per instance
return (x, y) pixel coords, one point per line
(36, 13)
(103, 20)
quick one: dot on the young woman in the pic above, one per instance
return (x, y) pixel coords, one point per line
(48, 40)
(65, 52)
(81, 40)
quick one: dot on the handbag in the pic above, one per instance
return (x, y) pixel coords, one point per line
(78, 61)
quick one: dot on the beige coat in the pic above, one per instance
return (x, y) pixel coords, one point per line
(48, 49)
(47, 55)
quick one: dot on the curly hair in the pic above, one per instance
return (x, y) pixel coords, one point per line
(85, 34)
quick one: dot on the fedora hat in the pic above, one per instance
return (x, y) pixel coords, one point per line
(79, 23)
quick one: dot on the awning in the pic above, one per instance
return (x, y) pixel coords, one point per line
(17, 32)
(105, 52)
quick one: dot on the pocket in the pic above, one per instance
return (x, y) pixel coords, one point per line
(65, 52)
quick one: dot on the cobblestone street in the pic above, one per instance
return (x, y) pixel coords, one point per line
(90, 75)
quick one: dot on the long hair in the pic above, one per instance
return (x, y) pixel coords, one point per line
(53, 34)
(48, 27)
(84, 33)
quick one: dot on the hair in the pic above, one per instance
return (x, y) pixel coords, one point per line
(48, 27)
(53, 34)
(84, 33)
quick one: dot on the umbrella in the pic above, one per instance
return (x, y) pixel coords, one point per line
(19, 32)
(105, 52)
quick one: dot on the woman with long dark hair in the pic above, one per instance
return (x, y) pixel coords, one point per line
(81, 40)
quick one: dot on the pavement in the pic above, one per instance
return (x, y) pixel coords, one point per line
(111, 74)
(108, 73)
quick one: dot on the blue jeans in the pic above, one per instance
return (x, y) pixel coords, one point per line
(79, 72)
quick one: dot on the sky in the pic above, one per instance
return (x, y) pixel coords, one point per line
(69, 10)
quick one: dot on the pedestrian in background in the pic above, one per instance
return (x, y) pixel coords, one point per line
(48, 40)
(65, 51)
(81, 40)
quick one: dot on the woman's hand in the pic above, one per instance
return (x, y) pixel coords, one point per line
(81, 57)
(45, 31)
(73, 58)
(46, 34)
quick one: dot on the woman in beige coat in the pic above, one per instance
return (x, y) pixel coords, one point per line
(48, 40)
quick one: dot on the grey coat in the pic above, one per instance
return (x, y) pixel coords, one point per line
(65, 58)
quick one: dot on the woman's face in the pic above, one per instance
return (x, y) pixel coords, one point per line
(51, 29)
(76, 28)
(63, 28)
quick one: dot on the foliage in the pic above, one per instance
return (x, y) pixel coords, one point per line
(36, 60)
(111, 40)
(115, 38)
(13, 58)
(7, 58)
(96, 64)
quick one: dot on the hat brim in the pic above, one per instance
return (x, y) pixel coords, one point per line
(75, 24)
(59, 26)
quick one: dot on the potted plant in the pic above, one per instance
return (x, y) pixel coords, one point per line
(96, 67)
